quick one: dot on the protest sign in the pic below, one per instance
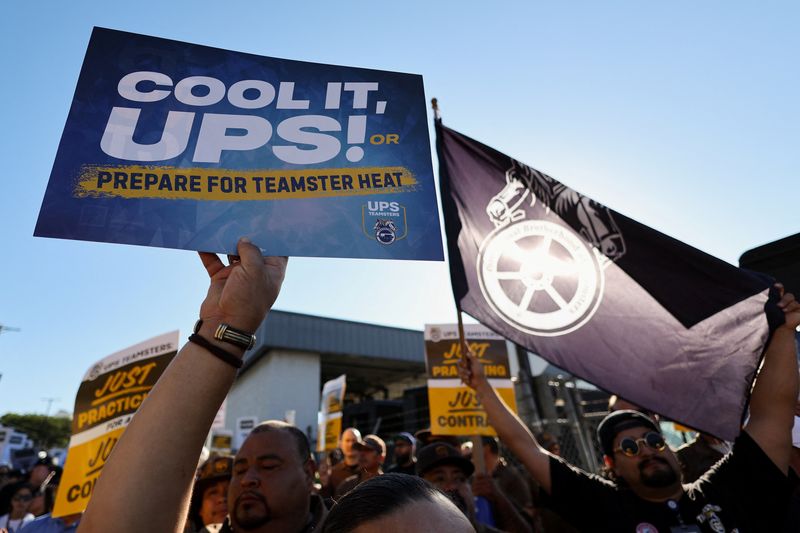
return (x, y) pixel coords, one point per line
(330, 414)
(109, 395)
(244, 425)
(454, 408)
(221, 441)
(177, 145)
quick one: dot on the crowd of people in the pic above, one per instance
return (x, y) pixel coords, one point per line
(514, 483)
(27, 494)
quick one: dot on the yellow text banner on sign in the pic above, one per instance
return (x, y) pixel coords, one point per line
(454, 408)
(108, 397)
(330, 414)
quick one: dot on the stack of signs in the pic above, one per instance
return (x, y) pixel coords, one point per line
(109, 395)
(454, 408)
(330, 414)
(177, 145)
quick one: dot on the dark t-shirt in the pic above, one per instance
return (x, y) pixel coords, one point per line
(410, 469)
(744, 492)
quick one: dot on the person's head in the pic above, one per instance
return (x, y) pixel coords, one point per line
(273, 476)
(210, 495)
(491, 452)
(40, 471)
(44, 498)
(395, 502)
(21, 498)
(404, 444)
(445, 468)
(372, 452)
(549, 443)
(635, 451)
(349, 438)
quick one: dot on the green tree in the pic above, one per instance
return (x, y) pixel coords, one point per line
(45, 431)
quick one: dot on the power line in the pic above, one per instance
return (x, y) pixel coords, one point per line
(7, 328)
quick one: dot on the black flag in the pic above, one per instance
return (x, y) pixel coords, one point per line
(619, 304)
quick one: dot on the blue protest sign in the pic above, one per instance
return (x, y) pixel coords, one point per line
(177, 145)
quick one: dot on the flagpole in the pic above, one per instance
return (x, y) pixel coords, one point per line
(437, 116)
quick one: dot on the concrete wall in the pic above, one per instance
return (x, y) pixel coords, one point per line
(280, 381)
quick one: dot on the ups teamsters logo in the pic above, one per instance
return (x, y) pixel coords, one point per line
(542, 277)
(385, 222)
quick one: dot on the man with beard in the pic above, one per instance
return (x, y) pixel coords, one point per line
(271, 486)
(372, 452)
(404, 460)
(748, 490)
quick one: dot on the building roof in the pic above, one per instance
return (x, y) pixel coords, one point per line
(296, 331)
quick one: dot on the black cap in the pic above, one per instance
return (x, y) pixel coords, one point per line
(371, 442)
(618, 421)
(441, 453)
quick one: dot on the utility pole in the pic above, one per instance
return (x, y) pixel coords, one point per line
(49, 404)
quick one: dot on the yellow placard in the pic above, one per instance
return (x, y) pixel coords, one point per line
(332, 430)
(457, 411)
(108, 397)
(84, 464)
(330, 414)
(222, 442)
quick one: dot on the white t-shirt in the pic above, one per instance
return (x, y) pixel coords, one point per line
(13, 524)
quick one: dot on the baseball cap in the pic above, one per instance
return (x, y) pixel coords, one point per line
(618, 421)
(217, 467)
(371, 442)
(405, 436)
(441, 453)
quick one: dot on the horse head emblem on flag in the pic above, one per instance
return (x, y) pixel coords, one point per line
(543, 274)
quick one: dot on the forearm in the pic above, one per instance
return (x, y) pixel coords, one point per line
(515, 435)
(777, 385)
(145, 484)
(774, 397)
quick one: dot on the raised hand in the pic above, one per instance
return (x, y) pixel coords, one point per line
(790, 307)
(470, 370)
(241, 293)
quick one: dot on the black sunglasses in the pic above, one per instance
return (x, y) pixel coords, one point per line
(22, 497)
(630, 446)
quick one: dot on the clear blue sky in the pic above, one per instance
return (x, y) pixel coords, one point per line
(683, 115)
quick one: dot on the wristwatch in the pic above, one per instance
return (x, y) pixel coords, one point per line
(226, 333)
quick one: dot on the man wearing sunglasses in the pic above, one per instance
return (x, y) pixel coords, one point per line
(747, 491)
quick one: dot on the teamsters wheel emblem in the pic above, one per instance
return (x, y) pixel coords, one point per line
(540, 277)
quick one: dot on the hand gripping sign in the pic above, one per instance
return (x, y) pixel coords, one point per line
(454, 408)
(183, 146)
(108, 397)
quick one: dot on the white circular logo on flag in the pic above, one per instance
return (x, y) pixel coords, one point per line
(540, 277)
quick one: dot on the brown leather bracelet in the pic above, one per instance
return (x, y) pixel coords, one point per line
(216, 351)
